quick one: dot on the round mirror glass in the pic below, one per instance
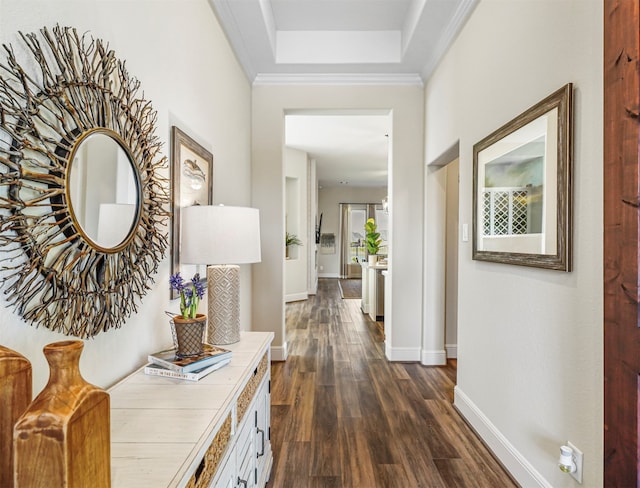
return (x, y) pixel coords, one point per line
(103, 189)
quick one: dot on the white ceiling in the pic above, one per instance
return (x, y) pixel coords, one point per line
(341, 41)
(349, 149)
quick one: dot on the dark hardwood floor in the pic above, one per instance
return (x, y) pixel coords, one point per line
(342, 416)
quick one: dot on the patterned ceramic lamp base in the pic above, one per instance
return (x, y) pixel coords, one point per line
(223, 284)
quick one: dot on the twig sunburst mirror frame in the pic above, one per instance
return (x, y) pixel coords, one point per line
(70, 86)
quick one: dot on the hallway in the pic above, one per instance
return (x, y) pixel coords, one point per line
(342, 416)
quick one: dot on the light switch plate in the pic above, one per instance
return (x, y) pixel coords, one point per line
(465, 232)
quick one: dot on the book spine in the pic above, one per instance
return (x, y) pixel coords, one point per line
(170, 374)
(205, 363)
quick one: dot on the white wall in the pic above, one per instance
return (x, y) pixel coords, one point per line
(529, 340)
(296, 218)
(270, 103)
(181, 56)
(329, 200)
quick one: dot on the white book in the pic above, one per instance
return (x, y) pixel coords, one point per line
(157, 370)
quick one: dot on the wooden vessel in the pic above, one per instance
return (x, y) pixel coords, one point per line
(15, 397)
(63, 439)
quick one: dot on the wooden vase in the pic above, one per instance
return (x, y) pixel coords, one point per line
(63, 439)
(189, 334)
(15, 397)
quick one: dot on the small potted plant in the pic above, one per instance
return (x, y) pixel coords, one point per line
(373, 239)
(291, 240)
(189, 327)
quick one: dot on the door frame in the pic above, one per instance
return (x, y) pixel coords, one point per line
(621, 213)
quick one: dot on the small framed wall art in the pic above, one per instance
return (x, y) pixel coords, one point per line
(191, 184)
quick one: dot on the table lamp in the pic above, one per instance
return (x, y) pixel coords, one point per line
(222, 238)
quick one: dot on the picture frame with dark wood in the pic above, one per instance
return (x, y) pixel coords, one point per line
(522, 187)
(191, 184)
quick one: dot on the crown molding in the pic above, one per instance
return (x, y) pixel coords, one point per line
(222, 10)
(409, 79)
(463, 12)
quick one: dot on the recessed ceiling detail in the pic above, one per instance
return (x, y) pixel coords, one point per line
(338, 47)
(375, 41)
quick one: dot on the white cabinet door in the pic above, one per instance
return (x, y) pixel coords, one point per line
(245, 457)
(226, 476)
(262, 415)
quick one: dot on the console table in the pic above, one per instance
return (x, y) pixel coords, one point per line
(211, 433)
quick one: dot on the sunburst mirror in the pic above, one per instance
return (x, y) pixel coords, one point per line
(82, 198)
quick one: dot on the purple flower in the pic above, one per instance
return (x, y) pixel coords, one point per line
(176, 282)
(190, 294)
(198, 286)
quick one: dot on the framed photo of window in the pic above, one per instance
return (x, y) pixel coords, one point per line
(522, 189)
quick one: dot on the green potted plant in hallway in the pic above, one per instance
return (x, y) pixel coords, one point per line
(291, 240)
(373, 239)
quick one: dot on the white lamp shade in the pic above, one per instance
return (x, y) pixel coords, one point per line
(217, 234)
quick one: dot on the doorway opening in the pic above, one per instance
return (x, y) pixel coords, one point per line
(440, 335)
(348, 159)
(451, 260)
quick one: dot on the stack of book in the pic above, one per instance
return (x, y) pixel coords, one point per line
(166, 363)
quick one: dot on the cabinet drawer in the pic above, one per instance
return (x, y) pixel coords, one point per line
(252, 385)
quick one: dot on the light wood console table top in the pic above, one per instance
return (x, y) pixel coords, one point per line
(161, 427)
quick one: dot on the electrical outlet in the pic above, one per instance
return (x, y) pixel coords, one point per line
(578, 459)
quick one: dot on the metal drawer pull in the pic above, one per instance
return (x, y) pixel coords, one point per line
(260, 431)
(244, 482)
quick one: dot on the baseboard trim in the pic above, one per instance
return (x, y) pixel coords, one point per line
(433, 358)
(328, 275)
(279, 353)
(402, 353)
(514, 462)
(452, 351)
(295, 297)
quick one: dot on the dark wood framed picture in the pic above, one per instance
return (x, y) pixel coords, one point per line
(191, 184)
(522, 188)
